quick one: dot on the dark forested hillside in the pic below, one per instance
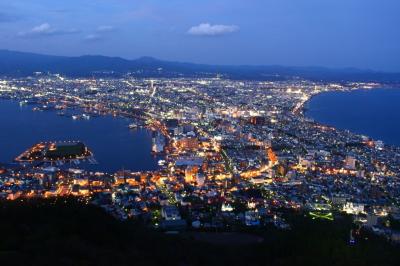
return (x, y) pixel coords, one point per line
(67, 232)
(18, 64)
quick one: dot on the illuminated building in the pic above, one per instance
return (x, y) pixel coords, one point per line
(189, 143)
(350, 163)
(158, 143)
(190, 173)
(353, 208)
(272, 156)
(258, 120)
(200, 179)
(170, 213)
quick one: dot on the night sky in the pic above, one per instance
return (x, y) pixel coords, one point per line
(333, 33)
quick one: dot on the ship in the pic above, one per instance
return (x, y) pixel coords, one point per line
(27, 102)
(133, 126)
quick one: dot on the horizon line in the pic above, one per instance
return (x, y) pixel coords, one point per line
(207, 64)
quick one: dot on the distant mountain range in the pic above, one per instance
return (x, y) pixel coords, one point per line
(17, 64)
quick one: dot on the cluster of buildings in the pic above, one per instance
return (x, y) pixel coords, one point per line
(236, 153)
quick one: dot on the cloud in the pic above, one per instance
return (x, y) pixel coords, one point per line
(45, 29)
(105, 28)
(99, 33)
(93, 37)
(206, 29)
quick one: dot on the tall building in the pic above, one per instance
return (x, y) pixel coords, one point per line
(350, 163)
(152, 88)
(158, 143)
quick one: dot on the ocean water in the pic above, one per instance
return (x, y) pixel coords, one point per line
(115, 147)
(375, 113)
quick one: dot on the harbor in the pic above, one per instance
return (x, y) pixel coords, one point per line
(109, 138)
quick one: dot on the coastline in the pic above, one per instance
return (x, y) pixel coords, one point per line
(306, 109)
(305, 105)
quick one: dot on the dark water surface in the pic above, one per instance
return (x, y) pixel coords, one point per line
(375, 113)
(114, 146)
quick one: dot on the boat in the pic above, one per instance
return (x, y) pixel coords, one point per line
(133, 126)
(45, 107)
(86, 116)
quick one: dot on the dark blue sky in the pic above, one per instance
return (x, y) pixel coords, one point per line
(333, 33)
